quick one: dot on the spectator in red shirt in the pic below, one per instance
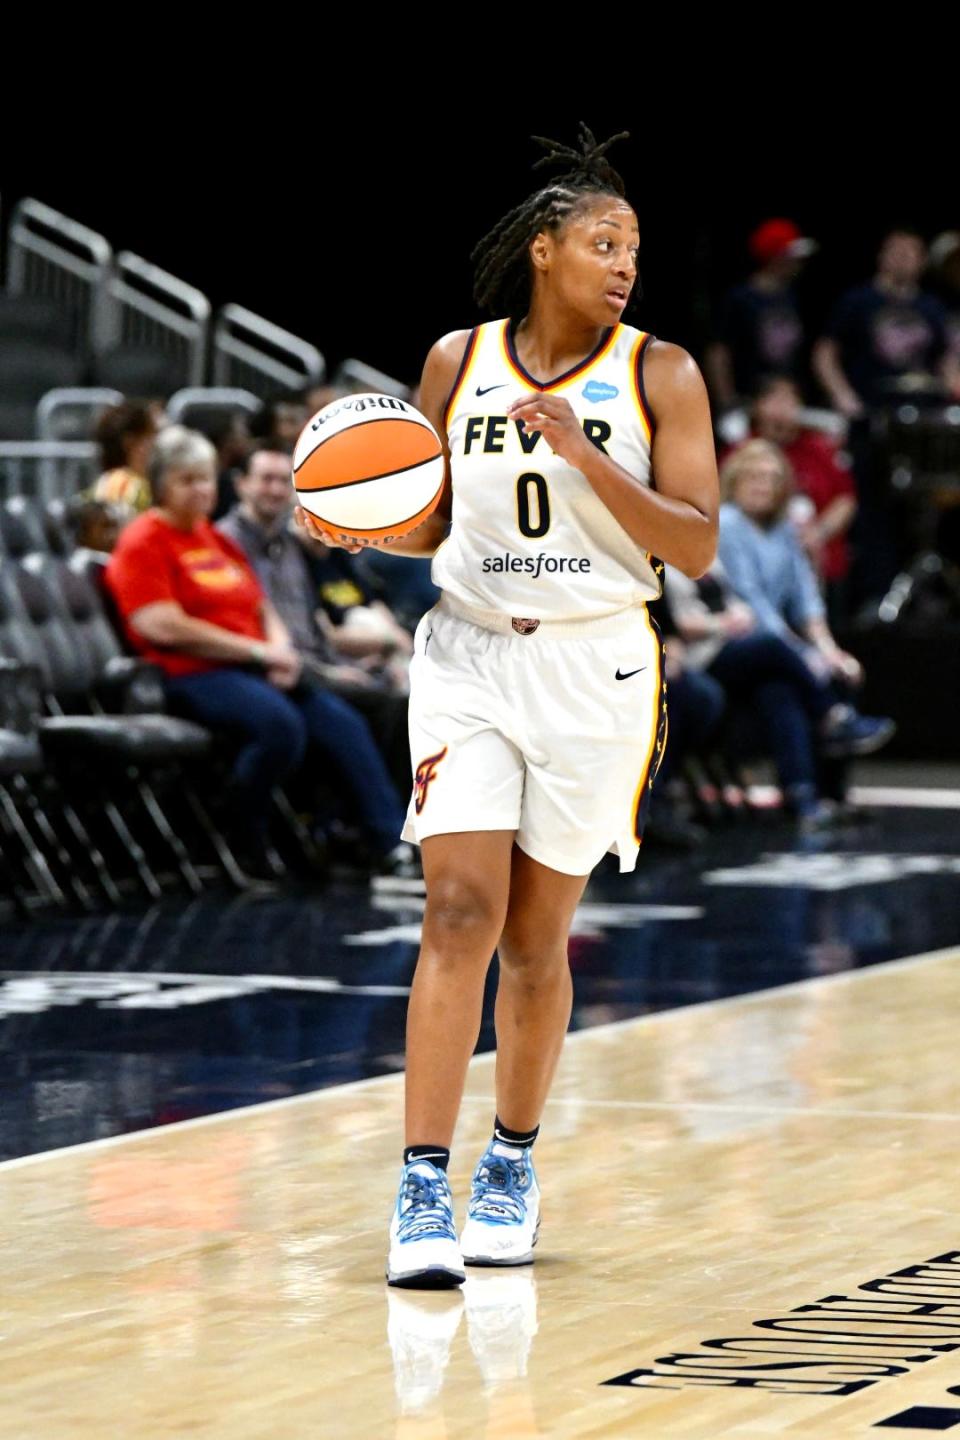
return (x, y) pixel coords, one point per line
(822, 475)
(192, 605)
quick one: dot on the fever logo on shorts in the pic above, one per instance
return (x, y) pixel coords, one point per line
(426, 771)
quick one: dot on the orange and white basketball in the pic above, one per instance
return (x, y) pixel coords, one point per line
(368, 468)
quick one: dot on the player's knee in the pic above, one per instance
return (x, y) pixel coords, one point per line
(532, 952)
(460, 908)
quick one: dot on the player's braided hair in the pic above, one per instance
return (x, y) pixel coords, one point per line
(502, 282)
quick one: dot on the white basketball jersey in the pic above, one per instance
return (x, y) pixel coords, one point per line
(530, 537)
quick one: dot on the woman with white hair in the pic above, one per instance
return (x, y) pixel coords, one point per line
(192, 604)
(762, 554)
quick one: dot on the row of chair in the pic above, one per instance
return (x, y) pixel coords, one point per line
(101, 792)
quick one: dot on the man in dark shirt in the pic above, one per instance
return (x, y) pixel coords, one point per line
(885, 337)
(885, 342)
(945, 278)
(295, 579)
(760, 332)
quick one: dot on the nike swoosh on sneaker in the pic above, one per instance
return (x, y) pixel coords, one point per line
(629, 673)
(488, 388)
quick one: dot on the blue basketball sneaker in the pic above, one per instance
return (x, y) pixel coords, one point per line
(503, 1216)
(424, 1254)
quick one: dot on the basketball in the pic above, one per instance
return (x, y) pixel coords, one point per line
(368, 468)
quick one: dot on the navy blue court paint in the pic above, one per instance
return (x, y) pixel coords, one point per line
(922, 1417)
(121, 1022)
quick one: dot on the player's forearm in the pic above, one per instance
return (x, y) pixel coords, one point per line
(424, 541)
(673, 530)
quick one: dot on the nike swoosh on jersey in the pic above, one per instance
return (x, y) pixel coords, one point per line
(629, 672)
(486, 390)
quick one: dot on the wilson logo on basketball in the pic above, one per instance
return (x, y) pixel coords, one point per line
(363, 402)
(369, 469)
(426, 771)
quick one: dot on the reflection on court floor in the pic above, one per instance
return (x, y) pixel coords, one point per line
(127, 1021)
(750, 1228)
(750, 1223)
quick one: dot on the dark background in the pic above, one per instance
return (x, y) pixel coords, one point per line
(356, 235)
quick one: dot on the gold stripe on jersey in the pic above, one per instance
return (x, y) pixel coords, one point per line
(576, 373)
(658, 736)
(458, 384)
(635, 362)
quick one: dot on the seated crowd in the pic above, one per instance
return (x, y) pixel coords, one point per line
(299, 658)
(289, 653)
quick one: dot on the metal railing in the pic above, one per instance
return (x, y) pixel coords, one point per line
(356, 375)
(47, 469)
(920, 446)
(70, 412)
(254, 354)
(210, 397)
(145, 307)
(53, 257)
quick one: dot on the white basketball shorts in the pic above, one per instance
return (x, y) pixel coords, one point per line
(554, 732)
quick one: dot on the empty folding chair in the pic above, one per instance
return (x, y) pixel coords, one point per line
(105, 760)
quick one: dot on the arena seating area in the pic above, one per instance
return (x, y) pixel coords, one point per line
(81, 325)
(105, 796)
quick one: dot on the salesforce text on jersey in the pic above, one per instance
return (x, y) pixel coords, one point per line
(536, 564)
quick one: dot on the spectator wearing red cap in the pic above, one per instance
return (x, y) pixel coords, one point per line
(760, 332)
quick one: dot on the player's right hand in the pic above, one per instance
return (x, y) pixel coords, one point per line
(309, 526)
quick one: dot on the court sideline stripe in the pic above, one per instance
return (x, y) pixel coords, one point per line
(718, 1107)
(846, 977)
(898, 795)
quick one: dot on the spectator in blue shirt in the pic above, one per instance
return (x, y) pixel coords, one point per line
(767, 565)
(765, 562)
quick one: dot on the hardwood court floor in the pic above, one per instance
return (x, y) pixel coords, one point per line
(704, 1170)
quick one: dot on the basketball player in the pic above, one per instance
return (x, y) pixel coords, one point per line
(581, 458)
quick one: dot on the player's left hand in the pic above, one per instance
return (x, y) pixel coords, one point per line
(554, 418)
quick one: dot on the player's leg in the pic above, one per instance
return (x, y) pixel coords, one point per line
(464, 811)
(468, 882)
(591, 747)
(467, 879)
(535, 991)
(534, 1000)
